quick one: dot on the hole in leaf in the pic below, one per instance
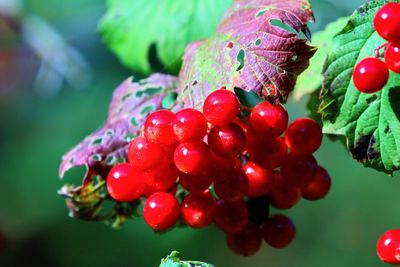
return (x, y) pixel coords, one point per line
(129, 137)
(126, 96)
(294, 57)
(110, 160)
(148, 91)
(96, 157)
(258, 42)
(97, 141)
(280, 24)
(260, 13)
(387, 129)
(169, 100)
(146, 110)
(240, 58)
(110, 132)
(248, 99)
(371, 99)
(134, 122)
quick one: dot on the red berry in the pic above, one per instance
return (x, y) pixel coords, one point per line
(248, 130)
(268, 152)
(278, 231)
(298, 170)
(221, 107)
(198, 210)
(231, 185)
(303, 136)
(370, 75)
(285, 198)
(125, 183)
(161, 211)
(260, 179)
(392, 57)
(192, 157)
(246, 242)
(268, 119)
(144, 155)
(189, 125)
(388, 247)
(387, 22)
(158, 127)
(227, 141)
(195, 183)
(231, 217)
(163, 177)
(319, 186)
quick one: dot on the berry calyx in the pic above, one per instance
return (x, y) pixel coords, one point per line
(260, 180)
(161, 211)
(158, 127)
(268, 119)
(221, 107)
(370, 75)
(246, 242)
(143, 154)
(319, 186)
(392, 57)
(303, 136)
(387, 22)
(388, 247)
(198, 210)
(231, 217)
(189, 125)
(278, 231)
(227, 141)
(125, 183)
(192, 157)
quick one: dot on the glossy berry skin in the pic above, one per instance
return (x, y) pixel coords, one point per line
(161, 211)
(387, 22)
(278, 231)
(195, 183)
(297, 170)
(221, 107)
(158, 127)
(303, 136)
(268, 119)
(388, 247)
(370, 75)
(261, 180)
(125, 183)
(247, 242)
(285, 198)
(192, 157)
(319, 186)
(163, 177)
(189, 125)
(392, 57)
(231, 217)
(198, 210)
(144, 155)
(232, 185)
(269, 153)
(227, 141)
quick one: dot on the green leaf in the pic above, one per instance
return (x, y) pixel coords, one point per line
(370, 122)
(173, 261)
(131, 27)
(311, 79)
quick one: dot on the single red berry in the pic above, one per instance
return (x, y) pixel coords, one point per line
(388, 247)
(231, 217)
(227, 141)
(269, 153)
(195, 183)
(248, 130)
(192, 157)
(221, 107)
(198, 210)
(246, 242)
(303, 136)
(163, 177)
(161, 211)
(298, 170)
(285, 198)
(370, 75)
(387, 22)
(189, 125)
(231, 185)
(268, 119)
(319, 186)
(125, 183)
(261, 180)
(144, 155)
(392, 57)
(158, 127)
(278, 231)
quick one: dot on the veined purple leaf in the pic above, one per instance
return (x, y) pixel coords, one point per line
(249, 52)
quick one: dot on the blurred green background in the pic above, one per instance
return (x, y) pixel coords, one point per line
(51, 98)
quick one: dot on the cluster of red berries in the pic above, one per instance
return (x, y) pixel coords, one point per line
(231, 164)
(371, 74)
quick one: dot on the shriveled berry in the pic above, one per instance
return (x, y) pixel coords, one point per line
(388, 247)
(268, 119)
(246, 242)
(161, 211)
(231, 185)
(198, 210)
(370, 75)
(221, 107)
(278, 231)
(227, 141)
(319, 186)
(125, 183)
(144, 155)
(392, 57)
(261, 180)
(192, 157)
(303, 136)
(231, 217)
(189, 125)
(158, 127)
(195, 183)
(387, 22)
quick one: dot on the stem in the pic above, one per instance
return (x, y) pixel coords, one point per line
(377, 50)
